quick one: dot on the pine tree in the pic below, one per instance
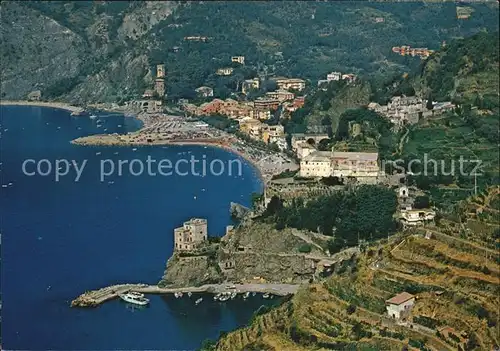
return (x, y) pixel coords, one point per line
(429, 104)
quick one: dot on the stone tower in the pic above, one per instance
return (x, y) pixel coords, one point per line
(160, 87)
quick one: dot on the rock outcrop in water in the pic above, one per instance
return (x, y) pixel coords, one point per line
(238, 211)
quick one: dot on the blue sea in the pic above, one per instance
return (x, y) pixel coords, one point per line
(61, 238)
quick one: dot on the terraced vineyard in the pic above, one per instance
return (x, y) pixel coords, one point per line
(451, 269)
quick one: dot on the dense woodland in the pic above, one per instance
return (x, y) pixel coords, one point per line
(301, 39)
(364, 213)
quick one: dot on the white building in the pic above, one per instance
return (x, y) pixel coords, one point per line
(361, 165)
(333, 76)
(290, 83)
(238, 59)
(400, 306)
(204, 91)
(191, 234)
(416, 217)
(303, 148)
(316, 164)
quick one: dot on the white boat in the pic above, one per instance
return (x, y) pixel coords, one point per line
(266, 296)
(190, 294)
(254, 293)
(199, 301)
(216, 297)
(93, 116)
(233, 295)
(134, 298)
(224, 298)
(178, 294)
(246, 295)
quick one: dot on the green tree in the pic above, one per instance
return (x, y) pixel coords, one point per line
(429, 104)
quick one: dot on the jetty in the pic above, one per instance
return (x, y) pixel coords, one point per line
(96, 297)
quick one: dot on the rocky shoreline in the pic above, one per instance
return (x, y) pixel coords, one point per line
(75, 110)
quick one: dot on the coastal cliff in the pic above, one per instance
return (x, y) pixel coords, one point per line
(77, 52)
(255, 252)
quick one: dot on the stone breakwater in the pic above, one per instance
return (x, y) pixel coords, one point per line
(96, 297)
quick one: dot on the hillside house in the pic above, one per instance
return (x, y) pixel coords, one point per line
(266, 104)
(405, 200)
(417, 217)
(333, 76)
(196, 38)
(402, 110)
(209, 108)
(190, 235)
(261, 114)
(349, 77)
(273, 134)
(204, 91)
(225, 71)
(238, 59)
(35, 95)
(407, 50)
(360, 165)
(280, 95)
(250, 84)
(290, 83)
(399, 307)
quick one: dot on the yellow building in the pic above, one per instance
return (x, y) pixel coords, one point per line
(191, 234)
(272, 133)
(251, 127)
(160, 71)
(225, 71)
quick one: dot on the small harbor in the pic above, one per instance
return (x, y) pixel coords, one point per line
(221, 292)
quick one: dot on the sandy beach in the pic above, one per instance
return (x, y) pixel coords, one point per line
(59, 105)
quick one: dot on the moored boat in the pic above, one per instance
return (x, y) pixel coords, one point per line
(198, 301)
(134, 298)
(224, 298)
(266, 296)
